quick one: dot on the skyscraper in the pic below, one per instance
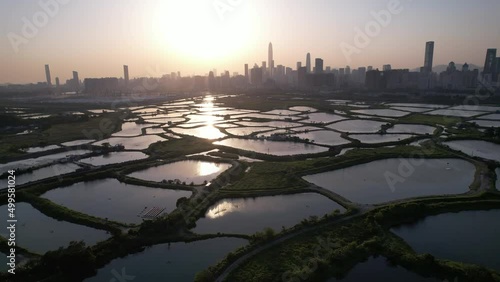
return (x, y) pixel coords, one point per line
(125, 74)
(246, 73)
(57, 82)
(429, 56)
(76, 81)
(489, 62)
(318, 66)
(308, 63)
(47, 75)
(256, 75)
(299, 65)
(270, 60)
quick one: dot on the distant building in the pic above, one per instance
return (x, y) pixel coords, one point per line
(211, 80)
(386, 68)
(308, 63)
(47, 75)
(247, 75)
(125, 74)
(299, 65)
(489, 62)
(318, 66)
(348, 70)
(75, 82)
(108, 85)
(270, 60)
(392, 79)
(429, 56)
(57, 82)
(256, 75)
(301, 76)
(456, 80)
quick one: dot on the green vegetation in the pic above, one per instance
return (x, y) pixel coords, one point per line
(332, 250)
(93, 128)
(431, 119)
(62, 213)
(180, 147)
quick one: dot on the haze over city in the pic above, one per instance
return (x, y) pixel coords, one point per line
(193, 37)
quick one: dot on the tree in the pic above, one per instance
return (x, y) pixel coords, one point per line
(204, 276)
(489, 132)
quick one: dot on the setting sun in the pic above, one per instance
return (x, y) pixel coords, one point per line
(194, 29)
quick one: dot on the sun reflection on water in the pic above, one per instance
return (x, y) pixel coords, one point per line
(207, 168)
(221, 209)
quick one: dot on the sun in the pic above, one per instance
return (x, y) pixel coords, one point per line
(193, 29)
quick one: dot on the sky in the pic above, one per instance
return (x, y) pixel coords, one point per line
(155, 37)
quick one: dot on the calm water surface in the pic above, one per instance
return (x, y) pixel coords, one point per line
(468, 236)
(388, 180)
(114, 200)
(247, 216)
(177, 262)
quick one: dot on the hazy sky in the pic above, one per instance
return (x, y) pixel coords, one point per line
(97, 37)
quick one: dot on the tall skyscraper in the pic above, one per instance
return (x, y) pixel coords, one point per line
(125, 74)
(246, 73)
(270, 60)
(318, 66)
(429, 56)
(47, 75)
(76, 81)
(489, 62)
(57, 82)
(308, 63)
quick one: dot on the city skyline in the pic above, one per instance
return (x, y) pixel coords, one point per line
(238, 38)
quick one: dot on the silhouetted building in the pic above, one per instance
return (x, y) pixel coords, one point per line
(75, 82)
(47, 75)
(429, 56)
(318, 66)
(246, 73)
(489, 62)
(108, 85)
(301, 76)
(392, 79)
(199, 83)
(347, 70)
(256, 75)
(125, 74)
(308, 63)
(270, 60)
(57, 82)
(386, 67)
(457, 80)
(299, 65)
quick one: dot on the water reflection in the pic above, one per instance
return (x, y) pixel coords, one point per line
(186, 171)
(206, 132)
(222, 209)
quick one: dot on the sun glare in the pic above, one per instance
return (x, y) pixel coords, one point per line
(194, 29)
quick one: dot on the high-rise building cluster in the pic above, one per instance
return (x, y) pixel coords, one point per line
(268, 74)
